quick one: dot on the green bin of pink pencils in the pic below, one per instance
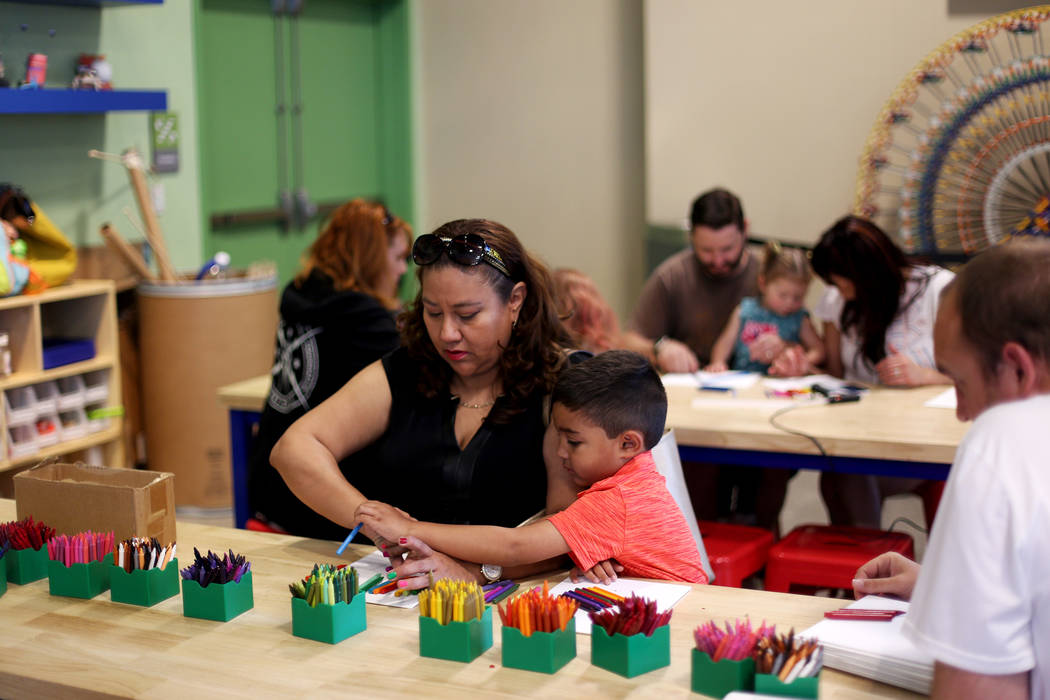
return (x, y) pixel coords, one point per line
(718, 678)
(80, 580)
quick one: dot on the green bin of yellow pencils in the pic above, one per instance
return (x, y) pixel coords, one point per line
(26, 565)
(456, 641)
(217, 601)
(799, 688)
(329, 623)
(717, 678)
(631, 655)
(145, 587)
(84, 580)
(545, 652)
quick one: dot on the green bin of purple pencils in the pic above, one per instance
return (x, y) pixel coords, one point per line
(217, 601)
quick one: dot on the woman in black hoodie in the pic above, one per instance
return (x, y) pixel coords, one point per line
(337, 316)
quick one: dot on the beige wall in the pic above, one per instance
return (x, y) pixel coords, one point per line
(531, 114)
(774, 100)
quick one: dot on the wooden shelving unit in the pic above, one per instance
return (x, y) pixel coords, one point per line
(85, 309)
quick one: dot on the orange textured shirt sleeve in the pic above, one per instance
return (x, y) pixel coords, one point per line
(594, 527)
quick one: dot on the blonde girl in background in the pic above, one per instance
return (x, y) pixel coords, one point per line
(773, 325)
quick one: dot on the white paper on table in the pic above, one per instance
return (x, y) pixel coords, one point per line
(797, 383)
(376, 563)
(666, 595)
(945, 399)
(732, 379)
(771, 404)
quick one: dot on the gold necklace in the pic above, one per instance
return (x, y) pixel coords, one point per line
(476, 405)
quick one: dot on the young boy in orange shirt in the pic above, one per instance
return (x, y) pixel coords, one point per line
(609, 412)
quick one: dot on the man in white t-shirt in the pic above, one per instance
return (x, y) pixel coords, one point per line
(981, 603)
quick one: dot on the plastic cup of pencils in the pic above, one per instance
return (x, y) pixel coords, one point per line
(329, 623)
(631, 655)
(26, 565)
(145, 587)
(217, 601)
(84, 580)
(717, 678)
(456, 641)
(799, 688)
(545, 652)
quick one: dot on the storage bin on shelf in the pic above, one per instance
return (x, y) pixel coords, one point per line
(74, 424)
(70, 393)
(20, 405)
(21, 439)
(96, 386)
(46, 394)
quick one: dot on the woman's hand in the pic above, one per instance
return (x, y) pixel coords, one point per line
(766, 347)
(602, 572)
(890, 573)
(792, 362)
(898, 370)
(675, 356)
(384, 520)
(412, 572)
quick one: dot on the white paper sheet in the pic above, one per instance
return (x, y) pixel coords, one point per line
(666, 595)
(943, 400)
(717, 380)
(376, 563)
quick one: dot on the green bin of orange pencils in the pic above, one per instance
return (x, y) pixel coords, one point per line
(547, 649)
(458, 631)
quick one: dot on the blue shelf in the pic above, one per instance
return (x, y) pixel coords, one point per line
(67, 101)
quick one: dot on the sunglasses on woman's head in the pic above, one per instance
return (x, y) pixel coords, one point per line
(467, 249)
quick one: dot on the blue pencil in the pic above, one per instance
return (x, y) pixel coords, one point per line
(349, 539)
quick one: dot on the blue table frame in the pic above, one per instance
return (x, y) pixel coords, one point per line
(242, 429)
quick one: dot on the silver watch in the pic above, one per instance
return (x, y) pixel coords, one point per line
(491, 572)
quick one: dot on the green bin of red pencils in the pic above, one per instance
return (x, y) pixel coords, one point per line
(454, 622)
(217, 588)
(26, 560)
(631, 638)
(3, 568)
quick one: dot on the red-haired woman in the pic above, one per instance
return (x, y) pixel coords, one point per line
(337, 316)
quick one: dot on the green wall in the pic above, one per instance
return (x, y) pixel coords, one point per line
(149, 47)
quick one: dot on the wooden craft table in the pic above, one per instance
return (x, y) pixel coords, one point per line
(889, 431)
(54, 647)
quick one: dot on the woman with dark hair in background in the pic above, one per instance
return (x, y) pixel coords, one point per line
(878, 316)
(337, 316)
(450, 426)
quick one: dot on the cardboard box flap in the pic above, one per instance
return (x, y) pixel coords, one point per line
(73, 498)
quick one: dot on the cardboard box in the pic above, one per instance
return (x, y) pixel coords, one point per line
(73, 498)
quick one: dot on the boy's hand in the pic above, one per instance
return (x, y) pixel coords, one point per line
(602, 572)
(887, 574)
(717, 367)
(386, 521)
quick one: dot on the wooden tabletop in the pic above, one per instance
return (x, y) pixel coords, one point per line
(887, 423)
(58, 647)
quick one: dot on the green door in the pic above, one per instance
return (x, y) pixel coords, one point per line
(299, 110)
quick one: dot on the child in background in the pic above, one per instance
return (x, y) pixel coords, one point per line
(761, 328)
(609, 412)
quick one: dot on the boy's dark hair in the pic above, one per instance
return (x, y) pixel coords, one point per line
(619, 391)
(1002, 296)
(716, 209)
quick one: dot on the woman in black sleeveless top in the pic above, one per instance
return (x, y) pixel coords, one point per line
(450, 426)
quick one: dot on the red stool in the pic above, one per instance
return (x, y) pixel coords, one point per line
(828, 556)
(735, 551)
(259, 526)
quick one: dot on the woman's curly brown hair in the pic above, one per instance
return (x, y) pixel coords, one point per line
(538, 341)
(352, 248)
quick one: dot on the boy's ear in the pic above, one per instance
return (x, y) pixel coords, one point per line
(631, 443)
